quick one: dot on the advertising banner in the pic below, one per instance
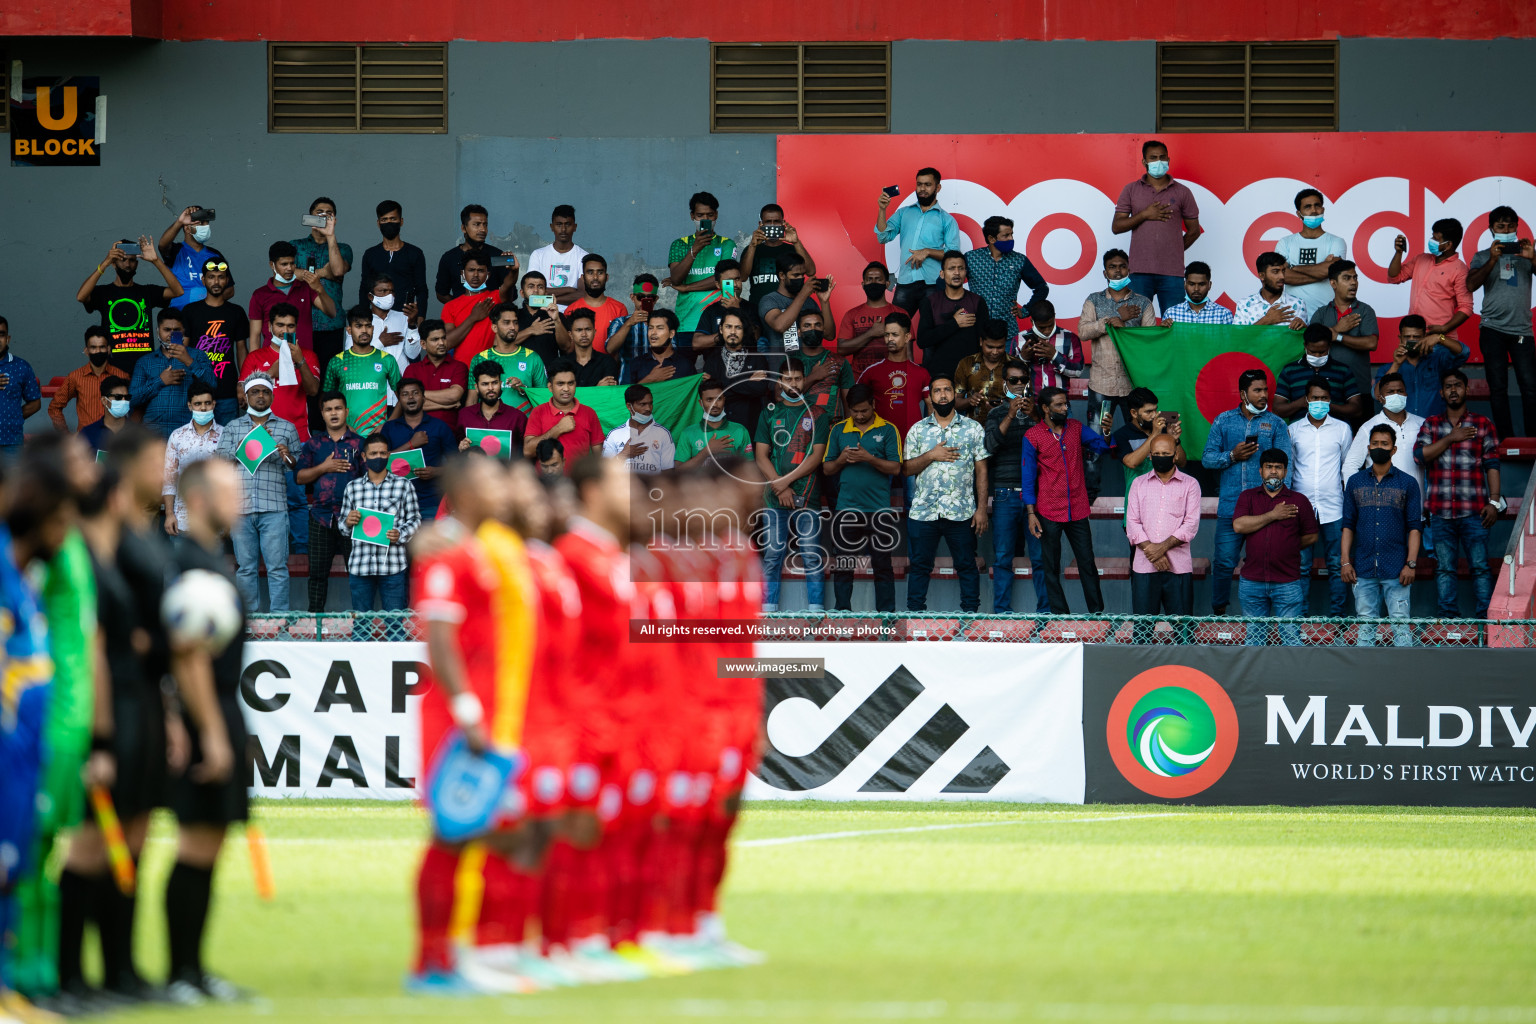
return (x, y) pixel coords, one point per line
(1300, 726)
(1061, 190)
(56, 122)
(893, 721)
(333, 720)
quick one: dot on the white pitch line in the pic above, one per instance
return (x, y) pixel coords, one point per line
(815, 837)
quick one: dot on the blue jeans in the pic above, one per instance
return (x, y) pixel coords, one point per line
(1008, 522)
(960, 537)
(1272, 601)
(390, 591)
(1228, 547)
(1167, 289)
(1369, 594)
(806, 523)
(262, 537)
(1454, 537)
(226, 409)
(298, 516)
(1327, 545)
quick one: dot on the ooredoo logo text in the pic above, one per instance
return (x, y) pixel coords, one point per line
(1172, 731)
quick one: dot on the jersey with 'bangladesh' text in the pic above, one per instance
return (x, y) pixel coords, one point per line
(365, 382)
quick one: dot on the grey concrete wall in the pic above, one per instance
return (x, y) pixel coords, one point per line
(1022, 86)
(1435, 85)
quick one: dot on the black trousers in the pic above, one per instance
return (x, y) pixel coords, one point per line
(1080, 536)
(325, 344)
(1500, 350)
(854, 533)
(1168, 593)
(325, 542)
(908, 297)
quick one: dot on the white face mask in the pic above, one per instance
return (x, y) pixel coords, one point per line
(280, 279)
(714, 417)
(1253, 410)
(472, 288)
(384, 302)
(1317, 360)
(201, 233)
(1043, 336)
(1395, 403)
(641, 418)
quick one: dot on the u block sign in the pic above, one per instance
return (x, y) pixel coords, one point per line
(56, 123)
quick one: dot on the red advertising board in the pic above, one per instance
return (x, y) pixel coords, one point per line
(1060, 191)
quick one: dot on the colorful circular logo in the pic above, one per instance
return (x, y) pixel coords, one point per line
(1172, 731)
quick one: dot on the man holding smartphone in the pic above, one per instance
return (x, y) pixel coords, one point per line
(160, 379)
(125, 306)
(691, 262)
(773, 241)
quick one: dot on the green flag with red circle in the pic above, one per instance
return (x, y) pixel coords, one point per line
(496, 443)
(407, 462)
(254, 449)
(373, 526)
(1193, 368)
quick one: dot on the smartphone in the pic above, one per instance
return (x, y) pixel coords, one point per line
(202, 215)
(309, 264)
(892, 190)
(706, 227)
(1251, 439)
(177, 338)
(504, 260)
(819, 285)
(312, 220)
(540, 301)
(645, 302)
(728, 288)
(130, 248)
(775, 230)
(1170, 419)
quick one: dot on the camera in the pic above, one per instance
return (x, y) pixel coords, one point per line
(775, 230)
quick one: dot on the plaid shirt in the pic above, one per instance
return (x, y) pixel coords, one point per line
(1067, 360)
(1455, 485)
(325, 490)
(1210, 313)
(267, 489)
(395, 496)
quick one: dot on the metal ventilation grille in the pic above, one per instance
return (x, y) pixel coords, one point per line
(1252, 87)
(800, 87)
(325, 87)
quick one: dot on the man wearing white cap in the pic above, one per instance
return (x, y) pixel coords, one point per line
(261, 534)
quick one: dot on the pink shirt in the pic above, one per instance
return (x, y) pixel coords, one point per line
(1439, 289)
(1155, 511)
(1157, 246)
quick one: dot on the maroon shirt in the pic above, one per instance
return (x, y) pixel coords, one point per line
(1274, 552)
(439, 378)
(299, 295)
(506, 418)
(1157, 246)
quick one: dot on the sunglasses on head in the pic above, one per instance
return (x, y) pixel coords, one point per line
(212, 265)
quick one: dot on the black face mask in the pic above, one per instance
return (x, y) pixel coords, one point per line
(943, 408)
(794, 284)
(98, 358)
(1162, 463)
(376, 465)
(1057, 418)
(873, 291)
(810, 339)
(1380, 456)
(390, 231)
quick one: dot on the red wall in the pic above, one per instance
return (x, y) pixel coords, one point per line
(369, 20)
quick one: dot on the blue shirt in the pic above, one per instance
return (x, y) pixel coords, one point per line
(186, 266)
(1381, 513)
(1230, 430)
(165, 405)
(921, 229)
(97, 436)
(1423, 381)
(23, 388)
(440, 441)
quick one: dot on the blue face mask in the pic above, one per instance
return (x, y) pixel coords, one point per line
(472, 288)
(202, 417)
(1317, 410)
(1509, 239)
(1004, 245)
(1432, 247)
(1272, 484)
(1157, 168)
(1313, 222)
(1194, 301)
(642, 418)
(1118, 284)
(117, 407)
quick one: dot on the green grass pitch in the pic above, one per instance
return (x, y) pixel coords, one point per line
(1318, 916)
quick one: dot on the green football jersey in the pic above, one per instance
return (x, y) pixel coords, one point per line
(522, 364)
(365, 382)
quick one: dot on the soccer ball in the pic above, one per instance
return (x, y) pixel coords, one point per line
(202, 608)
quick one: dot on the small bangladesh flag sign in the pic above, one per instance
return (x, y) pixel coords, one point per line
(373, 527)
(497, 443)
(407, 462)
(258, 444)
(1193, 368)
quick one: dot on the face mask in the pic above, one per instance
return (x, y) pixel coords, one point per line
(1192, 300)
(1157, 168)
(794, 284)
(789, 395)
(1313, 222)
(201, 233)
(1317, 410)
(1118, 284)
(714, 417)
(872, 291)
(202, 417)
(641, 418)
(280, 279)
(384, 302)
(117, 407)
(810, 339)
(1042, 335)
(1317, 360)
(1253, 410)
(99, 358)
(470, 288)
(943, 408)
(1162, 463)
(376, 465)
(1432, 247)
(1380, 456)
(1395, 403)
(1509, 239)
(1003, 245)
(1272, 485)
(1058, 418)
(390, 231)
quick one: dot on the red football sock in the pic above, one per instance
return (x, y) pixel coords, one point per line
(625, 884)
(709, 870)
(655, 854)
(590, 888)
(555, 895)
(434, 908)
(679, 876)
(506, 904)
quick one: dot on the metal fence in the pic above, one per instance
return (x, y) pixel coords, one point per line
(1032, 629)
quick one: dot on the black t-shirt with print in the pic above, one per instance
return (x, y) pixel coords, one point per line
(127, 314)
(215, 330)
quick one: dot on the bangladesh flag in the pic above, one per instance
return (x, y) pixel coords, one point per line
(373, 527)
(254, 449)
(497, 443)
(1193, 368)
(407, 462)
(676, 402)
